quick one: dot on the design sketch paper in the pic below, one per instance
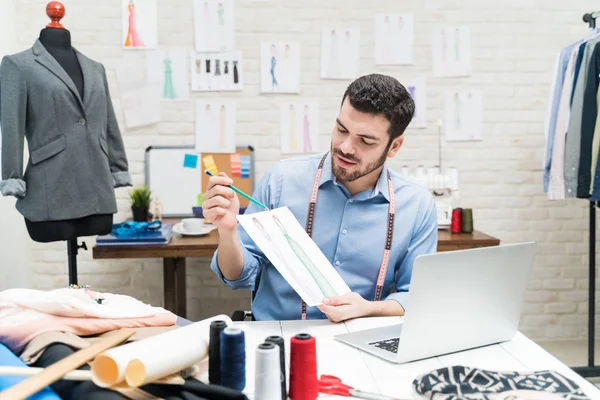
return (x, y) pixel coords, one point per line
(416, 88)
(452, 51)
(295, 255)
(299, 127)
(140, 99)
(140, 24)
(394, 39)
(215, 72)
(214, 25)
(215, 127)
(280, 67)
(168, 68)
(340, 53)
(463, 114)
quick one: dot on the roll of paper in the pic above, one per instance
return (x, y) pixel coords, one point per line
(147, 360)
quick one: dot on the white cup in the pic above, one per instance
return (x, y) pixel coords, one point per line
(193, 224)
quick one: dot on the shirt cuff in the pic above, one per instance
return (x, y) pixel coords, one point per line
(401, 298)
(247, 278)
(121, 178)
(13, 187)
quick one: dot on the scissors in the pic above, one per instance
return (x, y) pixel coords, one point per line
(330, 384)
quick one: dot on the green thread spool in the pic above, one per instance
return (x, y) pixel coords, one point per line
(467, 220)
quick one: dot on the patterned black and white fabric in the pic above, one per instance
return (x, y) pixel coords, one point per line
(465, 383)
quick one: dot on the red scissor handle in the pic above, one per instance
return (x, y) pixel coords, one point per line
(333, 385)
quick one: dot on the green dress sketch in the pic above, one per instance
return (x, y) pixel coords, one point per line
(168, 88)
(312, 269)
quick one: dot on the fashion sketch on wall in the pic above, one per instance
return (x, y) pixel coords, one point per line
(214, 25)
(169, 69)
(463, 115)
(215, 127)
(140, 24)
(299, 127)
(452, 51)
(216, 72)
(394, 39)
(280, 67)
(340, 53)
(295, 255)
(416, 88)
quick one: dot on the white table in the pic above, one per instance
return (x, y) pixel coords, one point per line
(369, 373)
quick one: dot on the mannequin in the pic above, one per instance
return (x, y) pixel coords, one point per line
(58, 99)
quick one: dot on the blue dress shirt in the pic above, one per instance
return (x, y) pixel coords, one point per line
(349, 230)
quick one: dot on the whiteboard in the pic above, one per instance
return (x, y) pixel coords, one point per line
(177, 187)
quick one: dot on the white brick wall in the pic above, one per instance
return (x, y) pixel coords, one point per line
(514, 45)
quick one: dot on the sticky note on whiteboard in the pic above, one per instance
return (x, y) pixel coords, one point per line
(190, 161)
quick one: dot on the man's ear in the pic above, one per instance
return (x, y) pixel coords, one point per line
(395, 147)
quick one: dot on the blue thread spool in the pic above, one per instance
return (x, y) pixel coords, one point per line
(233, 358)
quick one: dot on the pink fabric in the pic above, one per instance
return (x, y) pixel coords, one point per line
(19, 325)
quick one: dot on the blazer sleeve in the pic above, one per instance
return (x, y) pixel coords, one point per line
(116, 149)
(13, 113)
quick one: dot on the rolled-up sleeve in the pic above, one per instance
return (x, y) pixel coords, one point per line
(13, 106)
(424, 241)
(254, 259)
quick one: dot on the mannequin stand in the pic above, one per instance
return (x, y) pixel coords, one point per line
(72, 250)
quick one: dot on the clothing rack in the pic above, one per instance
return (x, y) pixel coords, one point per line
(591, 370)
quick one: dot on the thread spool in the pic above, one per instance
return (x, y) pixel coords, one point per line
(456, 225)
(467, 220)
(233, 358)
(267, 373)
(280, 343)
(303, 368)
(214, 351)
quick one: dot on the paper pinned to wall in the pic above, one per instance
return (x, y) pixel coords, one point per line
(394, 39)
(217, 72)
(340, 53)
(214, 25)
(139, 24)
(452, 51)
(215, 127)
(140, 100)
(295, 255)
(169, 70)
(280, 67)
(463, 115)
(210, 165)
(417, 89)
(299, 127)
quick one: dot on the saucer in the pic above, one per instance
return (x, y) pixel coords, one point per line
(178, 228)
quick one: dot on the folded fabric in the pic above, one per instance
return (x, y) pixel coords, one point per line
(79, 303)
(465, 383)
(19, 325)
(8, 359)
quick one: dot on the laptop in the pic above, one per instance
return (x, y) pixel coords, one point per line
(459, 300)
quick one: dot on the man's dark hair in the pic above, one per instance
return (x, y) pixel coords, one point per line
(383, 95)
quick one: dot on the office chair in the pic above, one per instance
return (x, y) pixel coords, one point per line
(245, 315)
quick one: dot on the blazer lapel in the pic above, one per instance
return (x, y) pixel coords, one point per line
(45, 58)
(89, 79)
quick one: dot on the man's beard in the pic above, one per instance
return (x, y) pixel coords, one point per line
(343, 175)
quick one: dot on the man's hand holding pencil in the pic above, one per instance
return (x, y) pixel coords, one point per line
(221, 204)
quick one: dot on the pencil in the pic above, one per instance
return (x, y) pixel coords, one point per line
(238, 191)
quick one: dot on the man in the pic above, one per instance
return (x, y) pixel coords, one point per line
(357, 222)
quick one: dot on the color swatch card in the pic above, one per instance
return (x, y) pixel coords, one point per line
(245, 166)
(217, 72)
(209, 164)
(236, 165)
(295, 255)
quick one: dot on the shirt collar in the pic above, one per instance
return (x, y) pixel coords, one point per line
(381, 187)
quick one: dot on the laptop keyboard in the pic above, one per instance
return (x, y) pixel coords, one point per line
(390, 345)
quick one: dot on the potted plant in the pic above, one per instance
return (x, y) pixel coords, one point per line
(140, 203)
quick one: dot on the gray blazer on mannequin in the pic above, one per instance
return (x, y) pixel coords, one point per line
(76, 153)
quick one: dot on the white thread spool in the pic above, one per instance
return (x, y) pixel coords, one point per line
(268, 373)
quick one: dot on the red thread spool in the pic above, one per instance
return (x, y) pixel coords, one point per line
(303, 368)
(456, 221)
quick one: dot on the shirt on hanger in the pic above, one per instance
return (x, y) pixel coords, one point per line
(349, 230)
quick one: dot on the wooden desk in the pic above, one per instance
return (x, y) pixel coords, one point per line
(180, 247)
